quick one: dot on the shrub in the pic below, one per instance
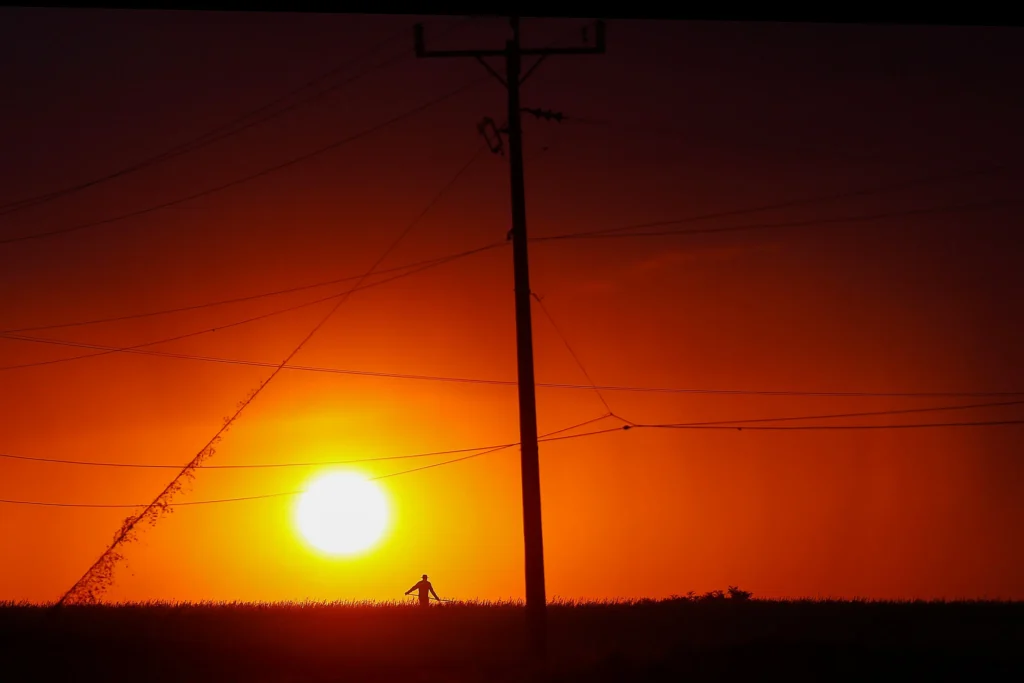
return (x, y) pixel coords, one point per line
(737, 594)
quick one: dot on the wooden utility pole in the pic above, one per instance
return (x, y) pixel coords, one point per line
(533, 536)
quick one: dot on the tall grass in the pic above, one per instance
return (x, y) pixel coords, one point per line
(691, 637)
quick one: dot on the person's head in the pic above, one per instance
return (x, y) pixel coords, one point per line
(424, 577)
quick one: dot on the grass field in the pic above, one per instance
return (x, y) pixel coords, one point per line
(670, 640)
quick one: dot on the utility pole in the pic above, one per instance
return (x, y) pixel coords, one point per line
(536, 599)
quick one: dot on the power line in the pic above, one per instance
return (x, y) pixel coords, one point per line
(576, 235)
(837, 416)
(100, 574)
(568, 346)
(233, 127)
(547, 438)
(568, 236)
(929, 425)
(240, 299)
(137, 348)
(92, 463)
(498, 382)
(178, 466)
(238, 181)
(606, 233)
(506, 446)
(983, 170)
(722, 423)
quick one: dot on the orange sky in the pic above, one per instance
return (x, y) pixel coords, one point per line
(707, 118)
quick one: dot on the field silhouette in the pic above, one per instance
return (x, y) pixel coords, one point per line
(697, 638)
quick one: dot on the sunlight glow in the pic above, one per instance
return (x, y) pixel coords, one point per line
(342, 513)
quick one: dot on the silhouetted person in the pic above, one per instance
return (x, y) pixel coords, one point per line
(426, 590)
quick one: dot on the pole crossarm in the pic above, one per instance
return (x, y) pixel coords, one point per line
(597, 48)
(545, 51)
(480, 54)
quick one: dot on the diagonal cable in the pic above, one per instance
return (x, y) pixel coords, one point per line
(568, 346)
(252, 176)
(239, 299)
(235, 126)
(100, 575)
(139, 348)
(725, 423)
(545, 438)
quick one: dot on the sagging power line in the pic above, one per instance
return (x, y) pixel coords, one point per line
(607, 233)
(575, 356)
(789, 428)
(250, 297)
(143, 350)
(140, 348)
(623, 428)
(680, 425)
(551, 238)
(612, 232)
(262, 114)
(495, 449)
(252, 176)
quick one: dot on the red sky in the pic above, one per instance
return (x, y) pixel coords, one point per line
(678, 119)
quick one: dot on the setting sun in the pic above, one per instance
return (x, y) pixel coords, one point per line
(342, 513)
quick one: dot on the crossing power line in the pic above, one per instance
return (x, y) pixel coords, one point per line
(140, 349)
(626, 427)
(252, 176)
(250, 297)
(925, 425)
(987, 169)
(498, 245)
(608, 234)
(839, 416)
(612, 232)
(575, 356)
(245, 121)
(551, 436)
(681, 425)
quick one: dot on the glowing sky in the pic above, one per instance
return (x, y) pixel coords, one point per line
(676, 120)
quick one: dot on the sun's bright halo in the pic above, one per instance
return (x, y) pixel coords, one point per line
(342, 513)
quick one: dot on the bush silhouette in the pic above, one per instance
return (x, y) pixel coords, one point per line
(737, 594)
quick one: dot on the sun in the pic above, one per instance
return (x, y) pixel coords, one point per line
(342, 513)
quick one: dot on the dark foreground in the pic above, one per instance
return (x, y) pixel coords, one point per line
(674, 640)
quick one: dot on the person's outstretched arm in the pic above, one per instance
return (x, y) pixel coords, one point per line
(433, 593)
(410, 590)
